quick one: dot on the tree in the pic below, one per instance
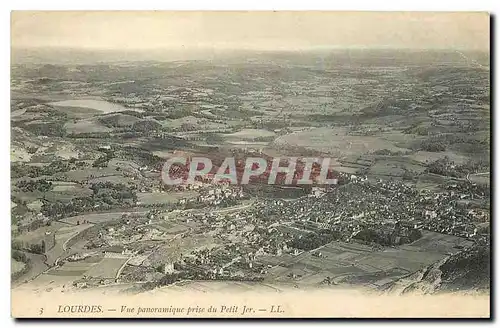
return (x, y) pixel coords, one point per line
(36, 248)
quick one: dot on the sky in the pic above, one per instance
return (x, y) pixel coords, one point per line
(249, 30)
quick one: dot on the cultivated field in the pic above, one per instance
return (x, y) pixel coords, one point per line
(354, 263)
(108, 268)
(149, 198)
(99, 217)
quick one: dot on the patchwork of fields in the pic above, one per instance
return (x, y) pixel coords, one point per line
(353, 263)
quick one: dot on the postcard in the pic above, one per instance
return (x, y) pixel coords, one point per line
(250, 164)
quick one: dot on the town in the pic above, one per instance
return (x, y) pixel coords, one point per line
(405, 191)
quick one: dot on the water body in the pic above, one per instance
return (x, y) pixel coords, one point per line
(100, 105)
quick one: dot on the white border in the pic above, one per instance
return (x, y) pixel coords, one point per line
(363, 5)
(359, 5)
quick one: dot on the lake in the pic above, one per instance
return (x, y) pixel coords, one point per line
(100, 105)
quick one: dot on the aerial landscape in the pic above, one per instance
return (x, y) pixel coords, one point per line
(408, 132)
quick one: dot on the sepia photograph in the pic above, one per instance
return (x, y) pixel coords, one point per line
(250, 164)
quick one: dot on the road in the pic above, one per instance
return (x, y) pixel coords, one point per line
(122, 267)
(234, 208)
(480, 173)
(38, 266)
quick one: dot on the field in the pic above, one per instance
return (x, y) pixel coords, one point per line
(336, 141)
(63, 196)
(63, 236)
(394, 167)
(94, 266)
(480, 178)
(90, 173)
(62, 186)
(194, 124)
(149, 198)
(427, 156)
(352, 263)
(170, 227)
(249, 134)
(176, 247)
(16, 266)
(108, 268)
(36, 236)
(98, 217)
(71, 269)
(89, 125)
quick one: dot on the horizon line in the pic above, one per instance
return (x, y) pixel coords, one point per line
(283, 49)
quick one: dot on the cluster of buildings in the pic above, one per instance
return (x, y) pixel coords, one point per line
(219, 193)
(380, 213)
(363, 204)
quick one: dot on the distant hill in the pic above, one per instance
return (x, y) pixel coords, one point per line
(321, 58)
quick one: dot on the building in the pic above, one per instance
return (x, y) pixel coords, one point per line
(168, 268)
